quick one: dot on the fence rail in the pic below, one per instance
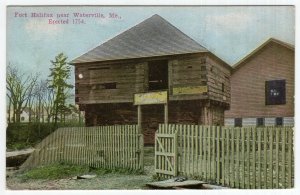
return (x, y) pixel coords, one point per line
(119, 146)
(247, 157)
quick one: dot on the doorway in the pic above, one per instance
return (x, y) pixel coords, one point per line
(158, 75)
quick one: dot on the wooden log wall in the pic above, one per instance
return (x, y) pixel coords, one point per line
(217, 80)
(109, 83)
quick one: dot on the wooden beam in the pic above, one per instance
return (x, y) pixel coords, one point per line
(139, 109)
(166, 113)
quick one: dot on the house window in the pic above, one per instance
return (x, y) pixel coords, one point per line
(238, 122)
(260, 122)
(223, 87)
(279, 121)
(158, 74)
(22, 118)
(275, 92)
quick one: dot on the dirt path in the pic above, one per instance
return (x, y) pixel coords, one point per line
(102, 182)
(107, 181)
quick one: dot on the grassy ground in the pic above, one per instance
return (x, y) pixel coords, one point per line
(60, 177)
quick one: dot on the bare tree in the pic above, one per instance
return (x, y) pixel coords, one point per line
(19, 89)
(48, 102)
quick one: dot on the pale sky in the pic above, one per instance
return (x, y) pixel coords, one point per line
(230, 32)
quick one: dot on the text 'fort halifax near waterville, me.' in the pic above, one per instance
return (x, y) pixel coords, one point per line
(67, 18)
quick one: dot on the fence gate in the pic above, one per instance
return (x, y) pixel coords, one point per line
(166, 152)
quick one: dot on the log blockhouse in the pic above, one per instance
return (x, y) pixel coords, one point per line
(149, 57)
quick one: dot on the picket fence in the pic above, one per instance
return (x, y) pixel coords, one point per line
(119, 146)
(246, 158)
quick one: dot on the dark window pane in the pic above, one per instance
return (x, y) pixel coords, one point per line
(275, 92)
(238, 122)
(279, 121)
(260, 122)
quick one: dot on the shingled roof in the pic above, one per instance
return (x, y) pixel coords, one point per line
(153, 37)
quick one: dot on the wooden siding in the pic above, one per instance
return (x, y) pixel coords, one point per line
(273, 62)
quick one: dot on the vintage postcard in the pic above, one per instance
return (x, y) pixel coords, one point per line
(150, 97)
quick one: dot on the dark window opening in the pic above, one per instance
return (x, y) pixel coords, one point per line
(223, 87)
(77, 99)
(260, 122)
(76, 91)
(158, 75)
(104, 86)
(203, 83)
(279, 121)
(275, 92)
(190, 67)
(99, 68)
(203, 68)
(110, 85)
(238, 122)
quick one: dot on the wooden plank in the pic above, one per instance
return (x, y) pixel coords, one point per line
(188, 150)
(265, 158)
(131, 146)
(271, 158)
(209, 153)
(184, 149)
(228, 157)
(171, 183)
(162, 145)
(277, 158)
(139, 111)
(159, 166)
(259, 157)
(192, 149)
(289, 157)
(218, 154)
(213, 159)
(232, 171)
(223, 167)
(197, 147)
(123, 132)
(205, 150)
(175, 149)
(283, 153)
(253, 158)
(201, 141)
(237, 170)
(243, 158)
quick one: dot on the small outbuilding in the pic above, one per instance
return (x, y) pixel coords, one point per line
(262, 87)
(157, 68)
